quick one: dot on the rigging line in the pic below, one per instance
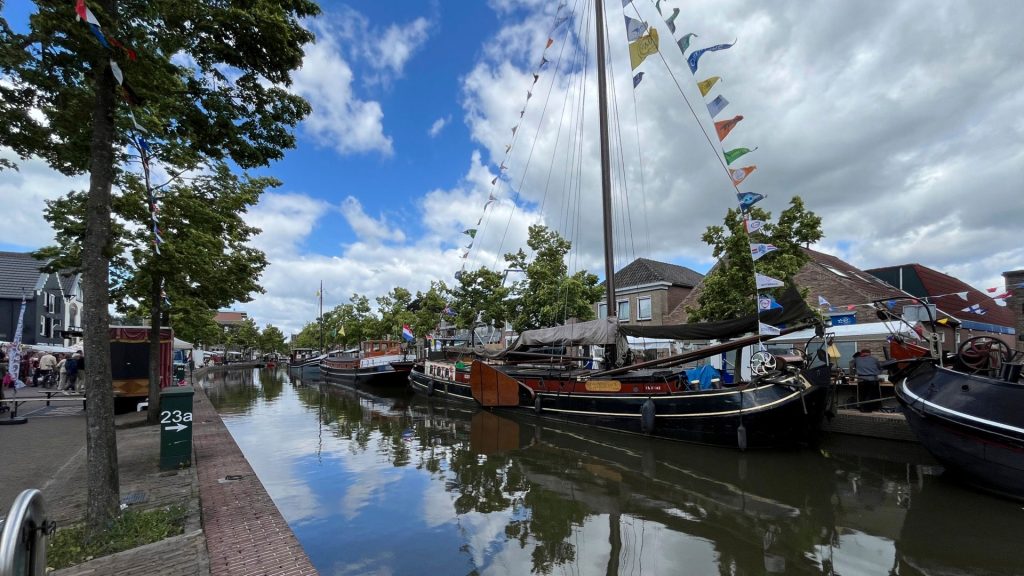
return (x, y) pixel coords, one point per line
(515, 137)
(725, 168)
(511, 146)
(574, 148)
(627, 214)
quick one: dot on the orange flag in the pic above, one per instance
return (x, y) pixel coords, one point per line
(723, 127)
(738, 175)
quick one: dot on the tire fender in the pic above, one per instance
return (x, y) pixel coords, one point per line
(647, 416)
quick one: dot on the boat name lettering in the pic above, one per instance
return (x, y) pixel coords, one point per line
(604, 386)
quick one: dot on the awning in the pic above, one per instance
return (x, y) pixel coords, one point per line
(182, 345)
(853, 333)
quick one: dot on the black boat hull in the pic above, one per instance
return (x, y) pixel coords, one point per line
(973, 425)
(440, 388)
(366, 377)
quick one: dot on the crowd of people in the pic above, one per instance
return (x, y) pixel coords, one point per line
(43, 369)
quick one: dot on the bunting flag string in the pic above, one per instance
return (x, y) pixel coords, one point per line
(85, 14)
(694, 58)
(705, 85)
(559, 20)
(643, 47)
(723, 127)
(684, 43)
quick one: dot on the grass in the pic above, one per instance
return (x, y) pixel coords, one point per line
(129, 530)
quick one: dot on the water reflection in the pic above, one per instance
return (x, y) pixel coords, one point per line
(406, 485)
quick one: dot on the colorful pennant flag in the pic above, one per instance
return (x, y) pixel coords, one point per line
(671, 21)
(962, 295)
(637, 78)
(696, 54)
(748, 199)
(753, 226)
(723, 127)
(643, 47)
(471, 232)
(764, 282)
(705, 85)
(767, 329)
(738, 175)
(684, 43)
(635, 29)
(734, 154)
(717, 105)
(759, 250)
(823, 302)
(975, 309)
(766, 303)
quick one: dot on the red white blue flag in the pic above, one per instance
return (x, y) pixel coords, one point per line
(407, 333)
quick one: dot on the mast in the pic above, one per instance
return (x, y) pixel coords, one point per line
(606, 177)
(321, 316)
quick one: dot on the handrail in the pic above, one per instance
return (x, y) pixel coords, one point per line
(24, 536)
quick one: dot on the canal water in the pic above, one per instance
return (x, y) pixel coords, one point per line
(401, 484)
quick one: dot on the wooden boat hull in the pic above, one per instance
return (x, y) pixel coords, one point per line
(973, 425)
(776, 412)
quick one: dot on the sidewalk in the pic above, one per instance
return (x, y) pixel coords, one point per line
(235, 520)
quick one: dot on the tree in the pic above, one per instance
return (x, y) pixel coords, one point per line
(728, 291)
(428, 308)
(548, 295)
(479, 295)
(230, 103)
(272, 340)
(393, 308)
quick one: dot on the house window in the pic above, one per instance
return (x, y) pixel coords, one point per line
(834, 271)
(51, 300)
(643, 308)
(602, 310)
(42, 326)
(624, 309)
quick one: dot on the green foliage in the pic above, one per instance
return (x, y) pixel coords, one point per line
(548, 295)
(728, 291)
(271, 340)
(428, 308)
(479, 294)
(394, 312)
(132, 529)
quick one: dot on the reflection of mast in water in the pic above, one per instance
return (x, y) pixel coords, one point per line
(319, 425)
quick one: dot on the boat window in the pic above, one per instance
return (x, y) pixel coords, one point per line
(643, 308)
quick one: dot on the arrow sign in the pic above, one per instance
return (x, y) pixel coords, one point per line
(176, 427)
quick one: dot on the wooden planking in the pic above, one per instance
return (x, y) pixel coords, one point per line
(492, 387)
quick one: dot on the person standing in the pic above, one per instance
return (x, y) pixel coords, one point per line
(72, 366)
(47, 364)
(62, 374)
(868, 369)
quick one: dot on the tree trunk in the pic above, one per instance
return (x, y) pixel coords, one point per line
(103, 487)
(155, 295)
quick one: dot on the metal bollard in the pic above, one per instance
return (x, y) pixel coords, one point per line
(24, 536)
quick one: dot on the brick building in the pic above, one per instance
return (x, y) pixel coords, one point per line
(972, 311)
(1015, 303)
(646, 291)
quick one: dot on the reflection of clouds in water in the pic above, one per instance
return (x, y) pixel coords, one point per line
(485, 533)
(438, 507)
(371, 487)
(379, 565)
(859, 553)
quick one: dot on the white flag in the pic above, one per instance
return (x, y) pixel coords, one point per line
(767, 329)
(767, 281)
(758, 250)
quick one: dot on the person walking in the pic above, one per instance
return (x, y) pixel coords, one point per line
(72, 367)
(47, 365)
(62, 374)
(868, 369)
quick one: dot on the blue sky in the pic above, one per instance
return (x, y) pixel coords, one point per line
(901, 125)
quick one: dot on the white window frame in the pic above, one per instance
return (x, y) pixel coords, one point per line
(42, 325)
(618, 309)
(640, 308)
(602, 310)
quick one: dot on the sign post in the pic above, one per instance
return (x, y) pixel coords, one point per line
(176, 427)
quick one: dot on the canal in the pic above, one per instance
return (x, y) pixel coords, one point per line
(400, 484)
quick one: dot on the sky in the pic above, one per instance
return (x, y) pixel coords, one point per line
(900, 124)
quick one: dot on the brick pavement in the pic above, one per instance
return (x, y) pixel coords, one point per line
(245, 532)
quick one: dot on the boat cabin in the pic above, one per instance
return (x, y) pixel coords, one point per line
(370, 348)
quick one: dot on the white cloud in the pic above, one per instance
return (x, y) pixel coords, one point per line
(438, 125)
(392, 49)
(366, 227)
(23, 194)
(339, 118)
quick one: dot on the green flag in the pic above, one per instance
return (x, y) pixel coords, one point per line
(732, 155)
(471, 232)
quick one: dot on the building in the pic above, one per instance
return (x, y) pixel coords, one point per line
(53, 302)
(226, 318)
(1014, 281)
(970, 311)
(646, 291)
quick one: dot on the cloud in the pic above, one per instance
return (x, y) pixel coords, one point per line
(907, 154)
(23, 194)
(339, 119)
(392, 49)
(366, 227)
(438, 125)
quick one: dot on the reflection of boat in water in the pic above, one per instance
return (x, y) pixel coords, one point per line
(374, 363)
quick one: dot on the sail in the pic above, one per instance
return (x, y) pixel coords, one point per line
(601, 332)
(794, 311)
